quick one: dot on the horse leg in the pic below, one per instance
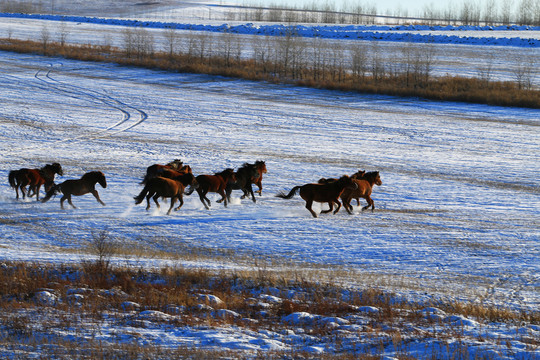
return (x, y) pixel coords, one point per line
(156, 198)
(202, 196)
(338, 206)
(148, 197)
(308, 206)
(347, 204)
(223, 197)
(96, 195)
(370, 203)
(69, 201)
(173, 200)
(36, 191)
(250, 189)
(259, 185)
(331, 205)
(62, 199)
(181, 200)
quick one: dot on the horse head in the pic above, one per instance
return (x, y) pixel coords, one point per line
(358, 175)
(373, 177)
(176, 164)
(261, 166)
(50, 169)
(378, 180)
(100, 178)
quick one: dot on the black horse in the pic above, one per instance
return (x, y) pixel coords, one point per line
(246, 175)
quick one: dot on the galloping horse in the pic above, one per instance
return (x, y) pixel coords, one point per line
(166, 187)
(357, 175)
(154, 170)
(34, 178)
(86, 184)
(324, 193)
(363, 190)
(261, 168)
(245, 176)
(213, 183)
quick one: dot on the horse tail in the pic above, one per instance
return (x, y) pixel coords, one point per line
(145, 180)
(290, 194)
(140, 197)
(192, 188)
(12, 178)
(53, 191)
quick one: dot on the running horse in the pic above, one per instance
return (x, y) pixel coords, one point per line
(213, 183)
(356, 176)
(363, 190)
(34, 178)
(86, 184)
(154, 170)
(245, 176)
(261, 168)
(166, 187)
(323, 193)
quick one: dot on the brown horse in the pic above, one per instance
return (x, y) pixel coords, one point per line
(214, 183)
(154, 170)
(34, 178)
(86, 184)
(357, 175)
(261, 168)
(166, 187)
(363, 190)
(323, 193)
(245, 176)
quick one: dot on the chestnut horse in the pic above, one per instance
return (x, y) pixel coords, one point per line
(261, 168)
(166, 187)
(86, 184)
(214, 183)
(363, 190)
(323, 193)
(154, 170)
(245, 176)
(34, 178)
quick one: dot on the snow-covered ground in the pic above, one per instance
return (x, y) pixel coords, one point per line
(457, 216)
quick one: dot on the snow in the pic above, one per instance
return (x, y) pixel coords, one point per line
(457, 216)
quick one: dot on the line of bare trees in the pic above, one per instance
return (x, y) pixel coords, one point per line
(479, 12)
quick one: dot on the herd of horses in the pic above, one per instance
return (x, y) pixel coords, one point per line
(175, 179)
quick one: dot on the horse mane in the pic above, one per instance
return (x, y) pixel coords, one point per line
(371, 175)
(226, 171)
(93, 175)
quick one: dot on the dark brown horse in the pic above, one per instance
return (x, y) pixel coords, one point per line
(86, 184)
(323, 193)
(363, 190)
(245, 176)
(213, 183)
(261, 168)
(357, 175)
(154, 170)
(34, 178)
(166, 187)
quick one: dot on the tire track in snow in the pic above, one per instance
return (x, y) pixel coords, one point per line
(105, 99)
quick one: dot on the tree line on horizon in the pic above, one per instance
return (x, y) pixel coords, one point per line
(401, 70)
(478, 12)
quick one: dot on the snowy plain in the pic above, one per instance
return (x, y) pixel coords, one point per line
(457, 216)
